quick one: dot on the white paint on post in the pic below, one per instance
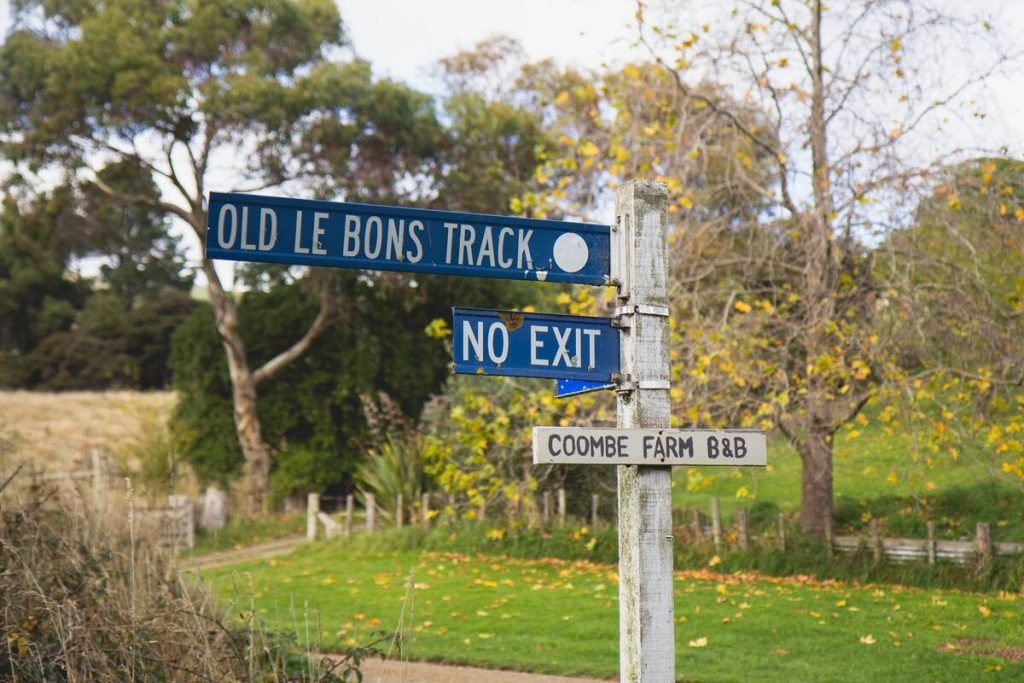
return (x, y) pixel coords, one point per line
(639, 263)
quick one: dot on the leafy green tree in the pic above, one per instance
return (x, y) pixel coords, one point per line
(957, 309)
(179, 89)
(38, 296)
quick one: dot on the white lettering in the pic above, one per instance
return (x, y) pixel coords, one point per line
(536, 345)
(467, 234)
(299, 249)
(373, 225)
(268, 238)
(562, 351)
(525, 257)
(486, 247)
(249, 246)
(318, 233)
(451, 228)
(502, 234)
(350, 241)
(227, 243)
(413, 227)
(592, 336)
(396, 236)
(503, 333)
(475, 340)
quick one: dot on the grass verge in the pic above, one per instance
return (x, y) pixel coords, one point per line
(559, 616)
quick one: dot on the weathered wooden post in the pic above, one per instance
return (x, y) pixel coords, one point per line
(312, 510)
(350, 513)
(640, 255)
(716, 523)
(561, 506)
(698, 530)
(399, 511)
(931, 542)
(782, 532)
(742, 531)
(371, 513)
(876, 540)
(983, 540)
(546, 517)
(425, 509)
(595, 503)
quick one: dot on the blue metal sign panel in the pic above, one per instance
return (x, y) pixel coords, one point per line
(245, 227)
(565, 388)
(490, 342)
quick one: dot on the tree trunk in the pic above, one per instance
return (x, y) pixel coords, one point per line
(243, 392)
(816, 484)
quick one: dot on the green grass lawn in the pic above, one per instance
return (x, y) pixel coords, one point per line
(879, 469)
(561, 617)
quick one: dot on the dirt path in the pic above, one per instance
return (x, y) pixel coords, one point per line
(376, 670)
(260, 551)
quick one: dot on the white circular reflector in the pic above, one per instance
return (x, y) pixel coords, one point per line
(571, 252)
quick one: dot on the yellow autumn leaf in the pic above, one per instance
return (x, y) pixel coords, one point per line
(742, 307)
(868, 639)
(985, 611)
(699, 642)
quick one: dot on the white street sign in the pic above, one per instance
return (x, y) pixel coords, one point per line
(610, 446)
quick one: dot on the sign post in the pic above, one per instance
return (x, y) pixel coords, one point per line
(640, 264)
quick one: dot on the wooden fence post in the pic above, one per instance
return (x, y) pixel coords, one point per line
(350, 513)
(716, 523)
(782, 532)
(595, 503)
(876, 541)
(312, 510)
(399, 511)
(698, 531)
(983, 540)
(481, 512)
(371, 513)
(425, 509)
(931, 542)
(742, 531)
(546, 513)
(561, 506)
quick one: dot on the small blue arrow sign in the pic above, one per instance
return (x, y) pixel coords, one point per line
(244, 227)
(491, 342)
(565, 388)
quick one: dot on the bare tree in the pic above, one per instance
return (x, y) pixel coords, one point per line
(860, 100)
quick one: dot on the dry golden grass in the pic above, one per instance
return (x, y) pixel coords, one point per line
(59, 431)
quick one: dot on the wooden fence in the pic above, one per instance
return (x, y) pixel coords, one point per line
(173, 524)
(698, 528)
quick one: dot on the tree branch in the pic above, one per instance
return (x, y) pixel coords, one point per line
(275, 364)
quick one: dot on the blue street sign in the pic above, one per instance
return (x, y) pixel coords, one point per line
(492, 342)
(565, 388)
(245, 227)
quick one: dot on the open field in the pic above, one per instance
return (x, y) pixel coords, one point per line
(561, 617)
(58, 431)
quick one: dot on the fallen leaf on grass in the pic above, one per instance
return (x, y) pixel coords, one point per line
(699, 642)
(868, 639)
